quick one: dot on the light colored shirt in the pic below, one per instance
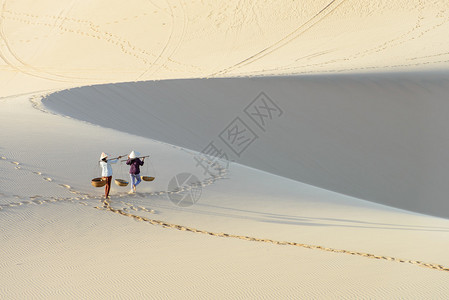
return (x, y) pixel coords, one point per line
(106, 168)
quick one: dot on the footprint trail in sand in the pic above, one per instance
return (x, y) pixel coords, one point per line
(128, 207)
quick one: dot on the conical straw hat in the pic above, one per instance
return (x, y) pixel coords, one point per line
(133, 154)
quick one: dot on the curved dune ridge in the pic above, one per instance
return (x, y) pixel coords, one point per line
(340, 100)
(377, 137)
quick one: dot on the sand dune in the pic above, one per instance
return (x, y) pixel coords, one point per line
(354, 110)
(59, 44)
(378, 137)
(252, 234)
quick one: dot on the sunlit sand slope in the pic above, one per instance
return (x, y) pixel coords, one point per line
(55, 44)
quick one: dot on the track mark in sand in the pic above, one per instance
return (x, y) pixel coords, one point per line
(174, 40)
(152, 211)
(17, 164)
(107, 207)
(317, 18)
(84, 28)
(10, 57)
(138, 208)
(423, 26)
(38, 199)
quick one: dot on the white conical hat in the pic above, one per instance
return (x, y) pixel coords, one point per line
(133, 154)
(103, 155)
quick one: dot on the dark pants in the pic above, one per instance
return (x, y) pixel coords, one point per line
(107, 187)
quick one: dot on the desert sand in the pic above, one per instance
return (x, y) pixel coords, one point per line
(337, 190)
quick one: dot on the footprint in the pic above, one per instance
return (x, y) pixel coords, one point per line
(146, 209)
(15, 163)
(4, 158)
(48, 179)
(65, 186)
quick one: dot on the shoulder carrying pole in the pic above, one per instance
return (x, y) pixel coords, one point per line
(114, 157)
(138, 157)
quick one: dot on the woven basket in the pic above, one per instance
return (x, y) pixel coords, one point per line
(98, 182)
(147, 178)
(121, 182)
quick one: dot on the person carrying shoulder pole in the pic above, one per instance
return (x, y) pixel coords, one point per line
(106, 171)
(134, 171)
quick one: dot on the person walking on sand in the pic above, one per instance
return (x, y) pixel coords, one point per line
(106, 171)
(134, 170)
